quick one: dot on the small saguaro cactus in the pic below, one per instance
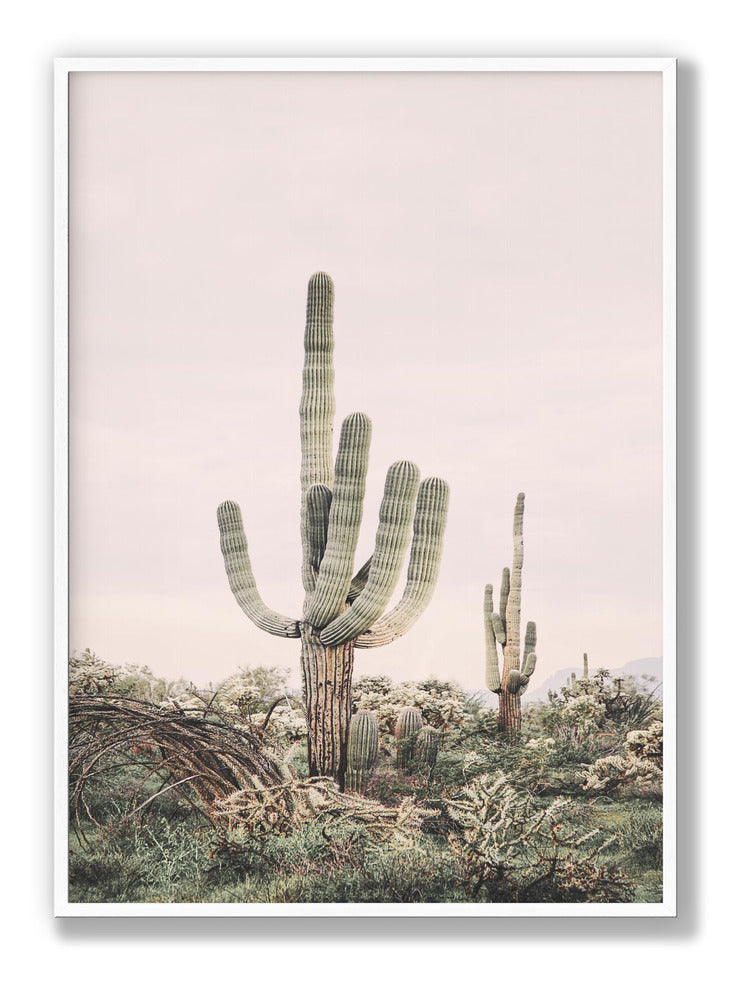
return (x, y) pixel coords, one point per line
(427, 742)
(363, 741)
(343, 608)
(409, 723)
(585, 668)
(503, 627)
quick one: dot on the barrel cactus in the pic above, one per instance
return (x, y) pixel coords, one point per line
(409, 723)
(343, 607)
(427, 742)
(503, 627)
(363, 741)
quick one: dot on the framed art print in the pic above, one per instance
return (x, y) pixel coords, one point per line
(365, 487)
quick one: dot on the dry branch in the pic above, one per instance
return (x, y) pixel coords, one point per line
(179, 746)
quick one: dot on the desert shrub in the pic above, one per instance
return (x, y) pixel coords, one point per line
(305, 867)
(626, 702)
(285, 723)
(421, 874)
(89, 674)
(251, 690)
(641, 836)
(134, 862)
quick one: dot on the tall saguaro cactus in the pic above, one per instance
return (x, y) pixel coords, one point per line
(503, 627)
(343, 607)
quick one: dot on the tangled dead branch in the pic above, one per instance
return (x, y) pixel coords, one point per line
(204, 758)
(261, 811)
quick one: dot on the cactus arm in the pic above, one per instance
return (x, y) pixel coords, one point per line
(512, 610)
(504, 595)
(395, 516)
(425, 557)
(499, 628)
(359, 581)
(235, 551)
(318, 500)
(530, 641)
(344, 522)
(493, 666)
(530, 665)
(317, 406)
(515, 681)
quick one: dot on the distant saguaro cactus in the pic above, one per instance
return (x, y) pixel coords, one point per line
(585, 668)
(342, 608)
(503, 627)
(363, 741)
(409, 723)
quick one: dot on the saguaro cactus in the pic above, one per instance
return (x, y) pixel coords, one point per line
(343, 608)
(409, 723)
(363, 741)
(585, 668)
(503, 627)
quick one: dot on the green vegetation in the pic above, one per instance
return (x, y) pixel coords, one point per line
(185, 795)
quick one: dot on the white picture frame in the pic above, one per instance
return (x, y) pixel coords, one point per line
(666, 67)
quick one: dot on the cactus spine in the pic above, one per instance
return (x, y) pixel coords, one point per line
(343, 608)
(363, 741)
(503, 627)
(409, 723)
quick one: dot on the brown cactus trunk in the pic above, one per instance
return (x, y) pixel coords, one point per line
(510, 717)
(326, 676)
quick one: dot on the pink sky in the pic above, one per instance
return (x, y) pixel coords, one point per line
(495, 242)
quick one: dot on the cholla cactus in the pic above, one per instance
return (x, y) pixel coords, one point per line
(509, 844)
(641, 764)
(427, 743)
(503, 627)
(409, 722)
(343, 608)
(363, 741)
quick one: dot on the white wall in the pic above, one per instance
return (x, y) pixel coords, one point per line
(574, 958)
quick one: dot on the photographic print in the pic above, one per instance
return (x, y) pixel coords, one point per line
(365, 449)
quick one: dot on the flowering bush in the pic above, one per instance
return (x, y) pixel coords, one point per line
(582, 717)
(443, 704)
(286, 722)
